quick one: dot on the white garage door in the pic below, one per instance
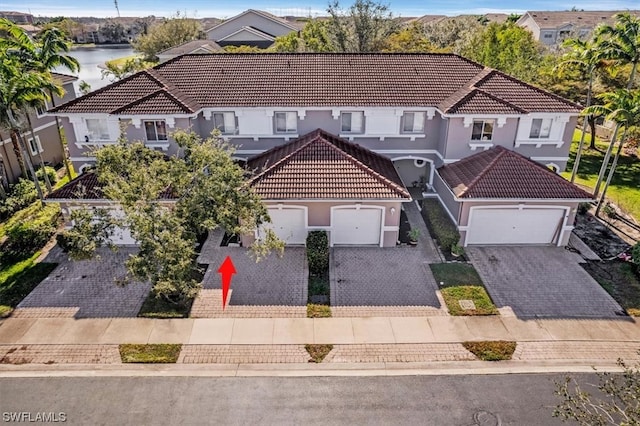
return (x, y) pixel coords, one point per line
(356, 226)
(289, 225)
(121, 235)
(515, 226)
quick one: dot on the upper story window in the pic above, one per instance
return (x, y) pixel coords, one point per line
(413, 122)
(98, 129)
(482, 130)
(286, 122)
(225, 122)
(540, 128)
(42, 109)
(548, 35)
(156, 130)
(35, 146)
(352, 122)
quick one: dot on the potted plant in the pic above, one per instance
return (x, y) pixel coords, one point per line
(457, 250)
(413, 236)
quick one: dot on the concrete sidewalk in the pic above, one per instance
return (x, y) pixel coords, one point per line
(296, 331)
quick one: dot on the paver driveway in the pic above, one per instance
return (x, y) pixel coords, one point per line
(272, 281)
(541, 282)
(89, 286)
(371, 276)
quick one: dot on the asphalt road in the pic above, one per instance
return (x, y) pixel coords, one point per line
(419, 400)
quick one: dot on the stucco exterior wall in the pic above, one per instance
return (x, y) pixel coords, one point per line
(265, 25)
(446, 197)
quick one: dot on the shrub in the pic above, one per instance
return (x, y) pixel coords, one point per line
(20, 196)
(318, 252)
(26, 237)
(51, 173)
(444, 229)
(583, 208)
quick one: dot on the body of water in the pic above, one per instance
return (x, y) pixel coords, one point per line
(92, 57)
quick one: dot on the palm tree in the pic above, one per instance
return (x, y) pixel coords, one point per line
(622, 107)
(621, 43)
(587, 57)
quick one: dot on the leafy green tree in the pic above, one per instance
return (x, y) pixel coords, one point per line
(622, 107)
(508, 48)
(408, 39)
(207, 190)
(314, 37)
(114, 71)
(164, 35)
(244, 49)
(362, 28)
(113, 31)
(452, 34)
(622, 42)
(618, 404)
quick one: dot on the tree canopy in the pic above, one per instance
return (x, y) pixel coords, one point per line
(164, 35)
(166, 203)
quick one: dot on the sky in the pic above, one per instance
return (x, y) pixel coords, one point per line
(226, 9)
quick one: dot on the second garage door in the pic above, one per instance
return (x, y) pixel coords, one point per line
(514, 226)
(289, 225)
(356, 226)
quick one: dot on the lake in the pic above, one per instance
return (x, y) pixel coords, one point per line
(90, 58)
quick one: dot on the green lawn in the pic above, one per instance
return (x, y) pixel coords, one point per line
(17, 280)
(150, 354)
(625, 185)
(492, 350)
(482, 301)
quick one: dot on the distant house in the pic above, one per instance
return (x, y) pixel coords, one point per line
(425, 19)
(190, 47)
(19, 18)
(250, 28)
(551, 28)
(46, 142)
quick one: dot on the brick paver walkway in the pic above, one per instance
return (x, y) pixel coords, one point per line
(208, 304)
(577, 351)
(90, 287)
(45, 313)
(541, 282)
(427, 352)
(246, 354)
(386, 311)
(425, 242)
(59, 354)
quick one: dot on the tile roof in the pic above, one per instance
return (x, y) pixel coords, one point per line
(320, 165)
(322, 80)
(64, 78)
(579, 18)
(501, 173)
(209, 46)
(475, 100)
(87, 187)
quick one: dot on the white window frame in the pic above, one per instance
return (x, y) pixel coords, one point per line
(38, 146)
(228, 120)
(155, 129)
(92, 135)
(540, 134)
(44, 109)
(351, 131)
(420, 122)
(482, 132)
(290, 117)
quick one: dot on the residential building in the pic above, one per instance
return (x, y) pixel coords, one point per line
(251, 28)
(340, 141)
(552, 27)
(19, 18)
(190, 47)
(46, 143)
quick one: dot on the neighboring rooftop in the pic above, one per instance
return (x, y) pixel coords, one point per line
(318, 80)
(584, 18)
(64, 78)
(320, 165)
(500, 173)
(193, 47)
(87, 187)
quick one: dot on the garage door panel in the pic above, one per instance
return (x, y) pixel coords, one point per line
(356, 226)
(514, 226)
(288, 224)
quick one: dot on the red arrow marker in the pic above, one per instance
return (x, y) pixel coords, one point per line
(226, 271)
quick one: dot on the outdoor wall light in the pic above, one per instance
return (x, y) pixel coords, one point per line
(392, 210)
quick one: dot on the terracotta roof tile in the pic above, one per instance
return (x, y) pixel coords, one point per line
(159, 101)
(323, 166)
(322, 80)
(477, 100)
(501, 173)
(579, 18)
(87, 187)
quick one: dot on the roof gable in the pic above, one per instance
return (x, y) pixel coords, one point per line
(193, 46)
(248, 34)
(257, 13)
(323, 166)
(504, 174)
